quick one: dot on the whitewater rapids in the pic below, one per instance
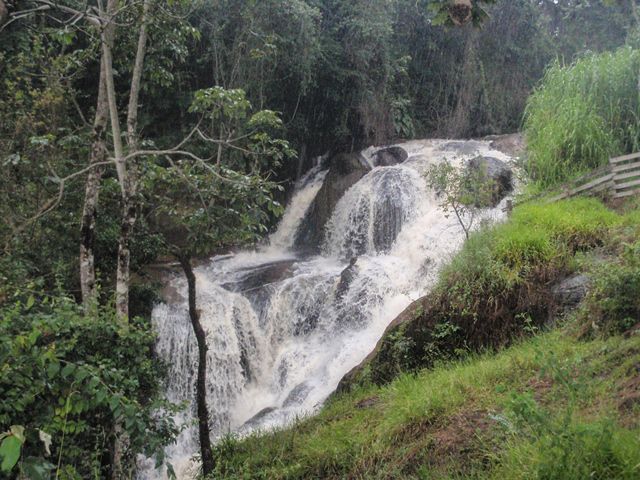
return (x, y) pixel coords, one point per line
(283, 328)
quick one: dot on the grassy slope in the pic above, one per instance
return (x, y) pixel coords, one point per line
(466, 420)
(550, 406)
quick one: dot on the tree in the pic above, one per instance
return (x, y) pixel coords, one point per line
(459, 12)
(217, 197)
(465, 192)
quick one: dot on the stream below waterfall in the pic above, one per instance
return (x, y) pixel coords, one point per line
(284, 326)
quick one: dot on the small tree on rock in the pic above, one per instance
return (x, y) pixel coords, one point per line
(465, 192)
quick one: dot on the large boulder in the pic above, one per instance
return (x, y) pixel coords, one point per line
(570, 292)
(257, 276)
(497, 172)
(345, 170)
(512, 144)
(388, 156)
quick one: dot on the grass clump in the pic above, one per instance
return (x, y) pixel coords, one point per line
(497, 287)
(581, 114)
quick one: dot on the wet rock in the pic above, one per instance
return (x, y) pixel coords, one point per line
(258, 276)
(344, 171)
(463, 147)
(389, 156)
(512, 144)
(297, 395)
(568, 293)
(346, 277)
(255, 420)
(495, 171)
(389, 213)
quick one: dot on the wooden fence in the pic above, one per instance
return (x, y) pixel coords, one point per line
(620, 178)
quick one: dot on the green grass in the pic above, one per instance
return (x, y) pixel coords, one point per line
(538, 234)
(398, 431)
(581, 114)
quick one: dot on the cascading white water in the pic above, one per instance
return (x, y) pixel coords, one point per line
(283, 330)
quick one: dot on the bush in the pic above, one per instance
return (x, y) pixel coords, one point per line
(67, 378)
(581, 114)
(613, 304)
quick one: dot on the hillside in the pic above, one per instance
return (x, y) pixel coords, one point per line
(561, 401)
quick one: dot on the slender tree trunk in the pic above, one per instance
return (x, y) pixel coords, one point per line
(129, 203)
(206, 452)
(92, 189)
(122, 275)
(458, 122)
(4, 12)
(121, 439)
(136, 79)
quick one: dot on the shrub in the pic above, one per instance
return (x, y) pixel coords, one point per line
(613, 304)
(581, 114)
(68, 378)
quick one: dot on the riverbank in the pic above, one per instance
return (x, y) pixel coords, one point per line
(558, 398)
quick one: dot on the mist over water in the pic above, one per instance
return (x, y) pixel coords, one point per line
(283, 328)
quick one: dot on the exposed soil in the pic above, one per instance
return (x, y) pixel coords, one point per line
(459, 437)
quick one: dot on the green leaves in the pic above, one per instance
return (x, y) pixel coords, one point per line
(10, 447)
(218, 103)
(66, 374)
(265, 118)
(458, 12)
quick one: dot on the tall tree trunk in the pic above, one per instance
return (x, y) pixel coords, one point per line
(122, 275)
(458, 123)
(128, 177)
(92, 189)
(206, 452)
(4, 12)
(136, 79)
(121, 439)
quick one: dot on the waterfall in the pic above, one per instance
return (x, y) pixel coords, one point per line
(283, 328)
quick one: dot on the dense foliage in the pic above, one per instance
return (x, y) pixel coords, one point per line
(66, 377)
(582, 114)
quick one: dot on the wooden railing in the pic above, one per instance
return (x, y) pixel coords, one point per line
(620, 178)
(626, 175)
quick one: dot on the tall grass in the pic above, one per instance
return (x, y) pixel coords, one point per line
(583, 113)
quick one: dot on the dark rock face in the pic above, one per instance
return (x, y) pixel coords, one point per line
(568, 293)
(344, 171)
(346, 277)
(495, 171)
(389, 156)
(255, 420)
(389, 214)
(297, 395)
(259, 276)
